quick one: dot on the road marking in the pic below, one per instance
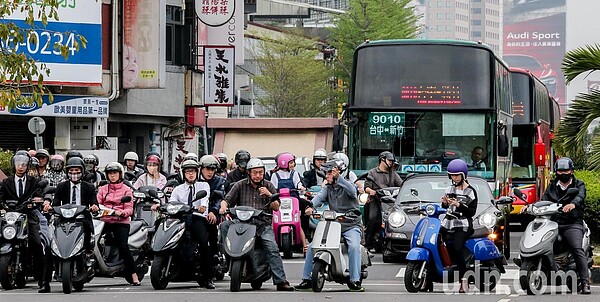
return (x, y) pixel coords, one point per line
(513, 295)
(504, 300)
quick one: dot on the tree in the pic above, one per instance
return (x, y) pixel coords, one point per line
(296, 83)
(370, 20)
(21, 80)
(573, 129)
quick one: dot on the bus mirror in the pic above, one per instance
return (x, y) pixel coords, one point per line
(503, 143)
(339, 132)
(540, 154)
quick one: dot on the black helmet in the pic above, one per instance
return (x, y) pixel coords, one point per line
(241, 158)
(329, 165)
(387, 155)
(222, 161)
(75, 162)
(563, 164)
(72, 154)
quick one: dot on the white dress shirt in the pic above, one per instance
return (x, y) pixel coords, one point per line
(77, 194)
(181, 193)
(24, 180)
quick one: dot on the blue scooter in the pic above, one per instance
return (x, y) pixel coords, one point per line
(429, 261)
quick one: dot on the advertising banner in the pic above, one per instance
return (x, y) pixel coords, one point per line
(535, 38)
(64, 106)
(81, 68)
(215, 12)
(181, 147)
(219, 75)
(144, 46)
(231, 33)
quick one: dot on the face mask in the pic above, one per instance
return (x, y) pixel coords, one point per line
(152, 169)
(75, 177)
(564, 177)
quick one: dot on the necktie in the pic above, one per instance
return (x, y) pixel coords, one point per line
(190, 197)
(20, 187)
(74, 195)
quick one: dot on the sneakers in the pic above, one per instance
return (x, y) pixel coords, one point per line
(285, 287)
(305, 284)
(355, 286)
(585, 288)
(209, 285)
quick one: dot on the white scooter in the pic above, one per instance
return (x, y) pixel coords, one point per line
(330, 253)
(544, 257)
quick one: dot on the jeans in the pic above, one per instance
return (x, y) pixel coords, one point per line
(269, 245)
(352, 237)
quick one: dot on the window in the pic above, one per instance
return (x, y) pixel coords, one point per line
(448, 27)
(476, 10)
(475, 22)
(440, 16)
(476, 34)
(448, 16)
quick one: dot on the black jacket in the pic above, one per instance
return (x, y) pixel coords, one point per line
(554, 193)
(310, 178)
(8, 191)
(62, 194)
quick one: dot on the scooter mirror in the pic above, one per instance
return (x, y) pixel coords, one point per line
(130, 175)
(153, 193)
(520, 194)
(200, 194)
(43, 183)
(572, 192)
(172, 176)
(274, 197)
(218, 194)
(49, 190)
(414, 192)
(102, 183)
(171, 183)
(126, 199)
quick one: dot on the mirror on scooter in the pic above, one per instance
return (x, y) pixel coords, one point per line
(130, 175)
(274, 197)
(414, 192)
(102, 183)
(200, 194)
(520, 194)
(504, 200)
(218, 194)
(172, 177)
(126, 199)
(49, 190)
(572, 192)
(171, 183)
(153, 193)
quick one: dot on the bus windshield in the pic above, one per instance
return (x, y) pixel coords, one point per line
(427, 141)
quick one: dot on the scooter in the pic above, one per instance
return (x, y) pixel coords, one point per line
(544, 258)
(330, 253)
(248, 262)
(286, 223)
(429, 260)
(74, 269)
(172, 246)
(109, 263)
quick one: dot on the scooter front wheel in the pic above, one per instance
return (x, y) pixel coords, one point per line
(66, 274)
(236, 276)
(415, 275)
(318, 276)
(159, 276)
(286, 246)
(529, 279)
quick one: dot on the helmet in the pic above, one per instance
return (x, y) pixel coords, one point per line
(191, 155)
(20, 157)
(320, 154)
(114, 167)
(241, 158)
(57, 162)
(563, 163)
(154, 153)
(42, 152)
(71, 154)
(75, 162)
(209, 161)
(190, 163)
(153, 159)
(255, 162)
(91, 159)
(284, 159)
(329, 165)
(131, 156)
(342, 159)
(35, 162)
(457, 166)
(387, 155)
(223, 160)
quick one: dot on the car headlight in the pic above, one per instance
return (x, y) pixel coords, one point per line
(430, 209)
(285, 203)
(68, 213)
(173, 208)
(397, 219)
(488, 220)
(244, 215)
(11, 217)
(138, 194)
(9, 232)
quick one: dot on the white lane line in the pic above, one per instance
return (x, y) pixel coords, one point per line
(504, 300)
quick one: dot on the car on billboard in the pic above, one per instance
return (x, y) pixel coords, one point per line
(544, 72)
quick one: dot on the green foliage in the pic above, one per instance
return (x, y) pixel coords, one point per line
(371, 20)
(592, 201)
(19, 73)
(5, 156)
(296, 82)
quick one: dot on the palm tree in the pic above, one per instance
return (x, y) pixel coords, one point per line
(572, 132)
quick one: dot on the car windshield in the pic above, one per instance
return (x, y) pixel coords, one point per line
(431, 189)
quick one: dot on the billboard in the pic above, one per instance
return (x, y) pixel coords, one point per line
(81, 68)
(230, 33)
(535, 38)
(64, 106)
(144, 43)
(219, 62)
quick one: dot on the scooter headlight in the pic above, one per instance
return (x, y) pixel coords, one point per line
(68, 213)
(430, 210)
(244, 215)
(539, 210)
(285, 204)
(488, 220)
(397, 219)
(11, 217)
(329, 215)
(173, 208)
(9, 232)
(138, 194)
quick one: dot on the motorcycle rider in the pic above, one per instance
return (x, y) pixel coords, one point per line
(55, 174)
(110, 196)
(256, 192)
(311, 177)
(241, 160)
(342, 197)
(152, 177)
(570, 222)
(380, 177)
(198, 226)
(33, 170)
(21, 187)
(130, 161)
(208, 173)
(43, 157)
(461, 200)
(93, 176)
(223, 161)
(73, 153)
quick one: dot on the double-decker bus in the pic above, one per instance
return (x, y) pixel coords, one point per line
(536, 116)
(429, 102)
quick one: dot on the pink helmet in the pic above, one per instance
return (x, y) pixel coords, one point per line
(284, 159)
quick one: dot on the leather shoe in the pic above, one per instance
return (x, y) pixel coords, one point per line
(285, 287)
(209, 285)
(44, 288)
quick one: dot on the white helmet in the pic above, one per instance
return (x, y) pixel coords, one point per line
(320, 154)
(255, 163)
(343, 158)
(131, 156)
(191, 155)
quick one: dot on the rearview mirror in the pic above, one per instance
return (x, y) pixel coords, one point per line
(274, 197)
(504, 200)
(102, 183)
(126, 199)
(200, 194)
(414, 192)
(572, 192)
(153, 193)
(520, 194)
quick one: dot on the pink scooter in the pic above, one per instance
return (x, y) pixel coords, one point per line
(286, 223)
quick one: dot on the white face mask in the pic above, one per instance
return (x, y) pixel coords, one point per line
(152, 169)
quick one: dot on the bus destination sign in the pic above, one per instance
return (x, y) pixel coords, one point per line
(386, 123)
(446, 94)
